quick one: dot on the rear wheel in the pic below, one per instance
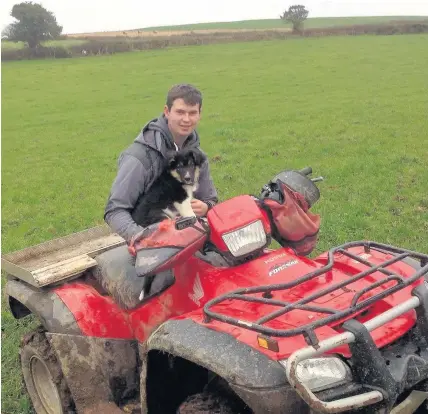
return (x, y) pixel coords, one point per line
(43, 377)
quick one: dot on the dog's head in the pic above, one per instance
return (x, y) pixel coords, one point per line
(185, 164)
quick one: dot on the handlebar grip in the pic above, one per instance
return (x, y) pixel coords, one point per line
(306, 171)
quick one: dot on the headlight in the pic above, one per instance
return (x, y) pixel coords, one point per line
(320, 374)
(245, 240)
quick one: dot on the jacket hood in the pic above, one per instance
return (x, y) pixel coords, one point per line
(156, 135)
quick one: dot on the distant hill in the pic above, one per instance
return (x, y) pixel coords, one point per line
(316, 22)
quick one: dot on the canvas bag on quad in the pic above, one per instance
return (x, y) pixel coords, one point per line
(287, 199)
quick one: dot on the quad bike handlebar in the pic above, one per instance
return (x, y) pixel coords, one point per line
(165, 243)
(306, 171)
(185, 222)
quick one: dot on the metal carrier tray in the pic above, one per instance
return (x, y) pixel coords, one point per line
(332, 315)
(60, 259)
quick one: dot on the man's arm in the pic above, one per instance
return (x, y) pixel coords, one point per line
(206, 191)
(127, 186)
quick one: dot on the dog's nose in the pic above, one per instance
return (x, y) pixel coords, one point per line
(187, 178)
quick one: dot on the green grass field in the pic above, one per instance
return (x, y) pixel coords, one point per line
(354, 108)
(310, 23)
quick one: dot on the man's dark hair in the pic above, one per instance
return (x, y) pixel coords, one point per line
(189, 94)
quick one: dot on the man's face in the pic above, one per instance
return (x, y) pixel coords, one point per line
(182, 118)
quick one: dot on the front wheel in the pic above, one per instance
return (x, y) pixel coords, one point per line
(43, 377)
(423, 409)
(216, 398)
(206, 403)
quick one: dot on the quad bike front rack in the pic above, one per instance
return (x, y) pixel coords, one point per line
(332, 315)
(356, 334)
(378, 369)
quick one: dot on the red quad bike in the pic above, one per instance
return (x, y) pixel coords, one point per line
(225, 324)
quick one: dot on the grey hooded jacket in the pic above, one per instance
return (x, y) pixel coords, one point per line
(139, 166)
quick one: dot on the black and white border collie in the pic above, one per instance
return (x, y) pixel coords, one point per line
(171, 193)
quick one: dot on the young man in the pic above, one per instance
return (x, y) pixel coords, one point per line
(140, 164)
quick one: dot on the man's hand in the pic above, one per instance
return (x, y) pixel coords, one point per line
(199, 207)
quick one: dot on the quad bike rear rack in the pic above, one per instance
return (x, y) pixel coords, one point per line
(332, 315)
(381, 386)
(60, 259)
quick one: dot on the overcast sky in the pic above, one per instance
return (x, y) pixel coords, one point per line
(78, 16)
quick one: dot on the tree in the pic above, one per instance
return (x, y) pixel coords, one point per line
(296, 14)
(34, 24)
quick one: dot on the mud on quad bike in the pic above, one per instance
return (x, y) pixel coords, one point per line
(227, 325)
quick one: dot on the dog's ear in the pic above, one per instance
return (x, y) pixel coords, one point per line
(198, 156)
(171, 157)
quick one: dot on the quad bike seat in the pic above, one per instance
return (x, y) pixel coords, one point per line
(116, 273)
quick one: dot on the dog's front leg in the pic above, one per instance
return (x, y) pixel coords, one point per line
(185, 208)
(169, 213)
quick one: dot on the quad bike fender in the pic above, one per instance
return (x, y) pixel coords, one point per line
(45, 304)
(259, 381)
(415, 264)
(97, 370)
(221, 353)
